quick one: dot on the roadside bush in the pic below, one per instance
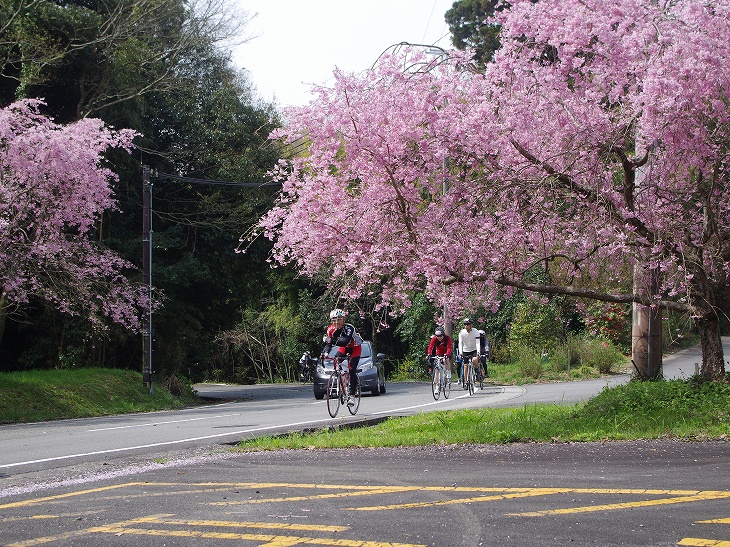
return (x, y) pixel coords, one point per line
(499, 354)
(528, 361)
(409, 369)
(600, 354)
(568, 356)
(584, 371)
(611, 322)
(535, 325)
(178, 386)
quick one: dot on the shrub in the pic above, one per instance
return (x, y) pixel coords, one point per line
(610, 321)
(409, 369)
(568, 355)
(178, 386)
(528, 361)
(499, 354)
(535, 325)
(600, 354)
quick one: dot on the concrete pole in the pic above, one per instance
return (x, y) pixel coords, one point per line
(646, 332)
(147, 274)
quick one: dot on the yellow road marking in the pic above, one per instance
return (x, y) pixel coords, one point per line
(58, 516)
(699, 542)
(714, 521)
(236, 524)
(382, 490)
(523, 494)
(35, 501)
(268, 540)
(701, 496)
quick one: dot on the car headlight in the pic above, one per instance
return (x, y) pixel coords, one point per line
(365, 366)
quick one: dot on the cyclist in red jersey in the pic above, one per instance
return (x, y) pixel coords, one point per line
(345, 338)
(440, 344)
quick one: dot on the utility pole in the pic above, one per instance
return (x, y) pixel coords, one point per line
(147, 274)
(646, 330)
(147, 331)
(646, 321)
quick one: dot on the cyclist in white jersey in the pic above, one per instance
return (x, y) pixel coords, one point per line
(469, 344)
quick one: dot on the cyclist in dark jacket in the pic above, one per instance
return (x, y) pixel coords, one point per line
(483, 352)
(343, 336)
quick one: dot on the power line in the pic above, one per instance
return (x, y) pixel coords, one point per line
(191, 180)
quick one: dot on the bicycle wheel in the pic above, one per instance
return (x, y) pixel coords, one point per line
(446, 386)
(333, 395)
(480, 377)
(436, 383)
(470, 379)
(356, 396)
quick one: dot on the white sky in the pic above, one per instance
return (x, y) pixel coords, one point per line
(298, 43)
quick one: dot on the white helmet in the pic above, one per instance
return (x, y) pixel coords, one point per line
(337, 313)
(481, 331)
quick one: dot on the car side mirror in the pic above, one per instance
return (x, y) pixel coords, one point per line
(380, 356)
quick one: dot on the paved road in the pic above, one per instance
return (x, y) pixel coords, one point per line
(258, 410)
(189, 491)
(658, 493)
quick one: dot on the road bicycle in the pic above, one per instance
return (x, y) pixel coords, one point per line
(338, 390)
(440, 383)
(468, 375)
(481, 372)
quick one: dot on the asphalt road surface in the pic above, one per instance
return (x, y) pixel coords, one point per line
(169, 479)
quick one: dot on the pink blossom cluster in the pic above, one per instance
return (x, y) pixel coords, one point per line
(54, 187)
(597, 140)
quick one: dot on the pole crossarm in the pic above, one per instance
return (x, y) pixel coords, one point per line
(191, 180)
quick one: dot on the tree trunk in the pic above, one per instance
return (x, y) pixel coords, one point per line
(713, 359)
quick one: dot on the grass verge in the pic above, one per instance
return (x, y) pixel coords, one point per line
(42, 395)
(639, 410)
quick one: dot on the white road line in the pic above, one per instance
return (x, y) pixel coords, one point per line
(150, 424)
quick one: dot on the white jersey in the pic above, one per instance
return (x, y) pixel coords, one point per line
(468, 341)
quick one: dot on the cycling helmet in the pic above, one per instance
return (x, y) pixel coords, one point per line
(439, 332)
(467, 321)
(481, 331)
(337, 313)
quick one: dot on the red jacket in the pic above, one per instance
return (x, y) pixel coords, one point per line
(440, 347)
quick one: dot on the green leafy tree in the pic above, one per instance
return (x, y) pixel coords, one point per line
(471, 27)
(155, 66)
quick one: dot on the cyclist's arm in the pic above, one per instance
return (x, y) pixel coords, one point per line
(432, 346)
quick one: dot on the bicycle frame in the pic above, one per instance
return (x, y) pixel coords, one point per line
(467, 374)
(338, 390)
(439, 382)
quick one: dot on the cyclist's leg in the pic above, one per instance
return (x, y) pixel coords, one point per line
(464, 376)
(354, 380)
(436, 382)
(354, 361)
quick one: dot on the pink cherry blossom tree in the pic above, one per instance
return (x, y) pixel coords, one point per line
(595, 147)
(54, 186)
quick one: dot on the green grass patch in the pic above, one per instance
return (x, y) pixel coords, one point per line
(41, 395)
(638, 410)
